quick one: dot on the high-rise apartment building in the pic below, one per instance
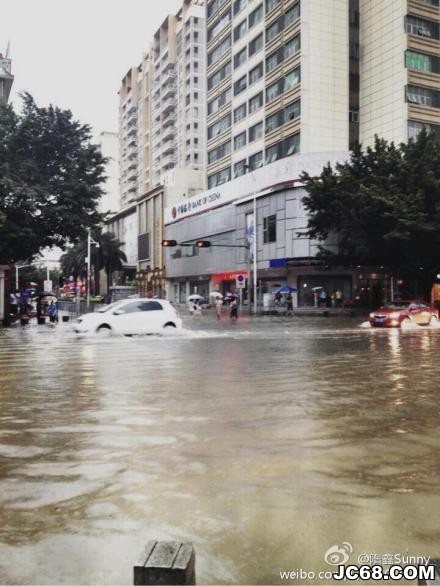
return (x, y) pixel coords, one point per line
(129, 100)
(400, 68)
(278, 82)
(6, 78)
(178, 96)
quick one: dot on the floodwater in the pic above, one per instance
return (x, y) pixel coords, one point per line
(264, 443)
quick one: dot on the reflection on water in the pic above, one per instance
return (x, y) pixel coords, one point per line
(263, 442)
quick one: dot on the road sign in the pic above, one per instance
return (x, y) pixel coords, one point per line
(240, 281)
(48, 286)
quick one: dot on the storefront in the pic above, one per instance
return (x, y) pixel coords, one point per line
(327, 290)
(226, 282)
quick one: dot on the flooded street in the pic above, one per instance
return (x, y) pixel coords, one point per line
(263, 442)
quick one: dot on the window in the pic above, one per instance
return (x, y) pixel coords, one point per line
(274, 29)
(219, 101)
(273, 121)
(240, 58)
(256, 132)
(240, 113)
(256, 161)
(240, 85)
(285, 148)
(422, 62)
(150, 306)
(219, 75)
(354, 18)
(240, 141)
(273, 91)
(256, 45)
(255, 16)
(292, 111)
(240, 30)
(423, 96)
(219, 152)
(430, 2)
(240, 168)
(220, 25)
(214, 6)
(415, 127)
(272, 154)
(219, 126)
(217, 53)
(256, 73)
(292, 47)
(291, 15)
(290, 145)
(239, 5)
(256, 103)
(422, 27)
(353, 115)
(270, 229)
(291, 79)
(274, 60)
(270, 5)
(218, 178)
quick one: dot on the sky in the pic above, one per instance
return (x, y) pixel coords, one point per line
(74, 53)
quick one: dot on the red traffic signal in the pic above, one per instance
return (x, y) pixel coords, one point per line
(169, 243)
(203, 244)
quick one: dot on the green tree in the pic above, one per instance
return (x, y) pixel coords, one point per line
(110, 254)
(382, 207)
(50, 179)
(73, 261)
(109, 257)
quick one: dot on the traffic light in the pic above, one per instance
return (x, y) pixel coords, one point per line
(169, 243)
(203, 244)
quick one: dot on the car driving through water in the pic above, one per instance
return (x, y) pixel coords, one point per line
(400, 312)
(130, 317)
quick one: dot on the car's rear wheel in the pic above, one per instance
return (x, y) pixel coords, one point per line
(169, 325)
(433, 321)
(104, 331)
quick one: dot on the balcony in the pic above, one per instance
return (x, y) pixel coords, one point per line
(168, 148)
(168, 104)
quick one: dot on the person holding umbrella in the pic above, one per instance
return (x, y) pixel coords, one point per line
(233, 309)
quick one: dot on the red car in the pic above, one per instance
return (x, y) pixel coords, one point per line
(394, 314)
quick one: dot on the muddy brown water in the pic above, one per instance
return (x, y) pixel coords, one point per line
(264, 443)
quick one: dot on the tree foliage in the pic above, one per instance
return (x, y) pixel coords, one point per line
(383, 205)
(109, 256)
(50, 179)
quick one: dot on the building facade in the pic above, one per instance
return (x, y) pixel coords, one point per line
(223, 216)
(6, 78)
(400, 68)
(129, 100)
(288, 80)
(278, 82)
(110, 201)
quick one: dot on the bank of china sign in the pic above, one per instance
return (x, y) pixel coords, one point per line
(261, 180)
(194, 205)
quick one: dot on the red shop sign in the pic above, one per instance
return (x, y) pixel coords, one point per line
(229, 276)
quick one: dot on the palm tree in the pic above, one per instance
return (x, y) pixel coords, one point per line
(111, 256)
(73, 260)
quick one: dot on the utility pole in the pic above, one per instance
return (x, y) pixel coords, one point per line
(254, 244)
(90, 241)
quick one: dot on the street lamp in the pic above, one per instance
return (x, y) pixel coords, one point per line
(90, 241)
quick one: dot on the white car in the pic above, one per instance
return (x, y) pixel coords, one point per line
(130, 317)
